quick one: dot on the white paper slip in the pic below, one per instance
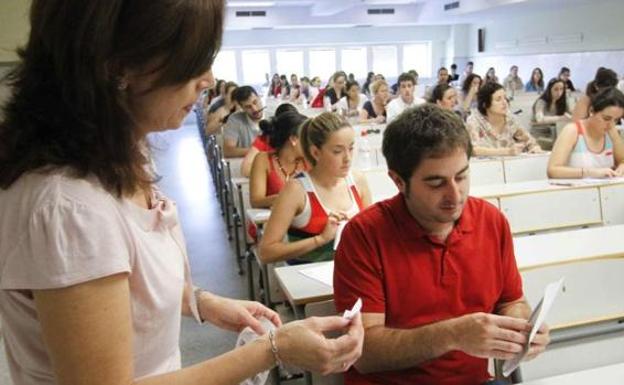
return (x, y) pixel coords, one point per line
(323, 273)
(341, 226)
(537, 319)
(355, 310)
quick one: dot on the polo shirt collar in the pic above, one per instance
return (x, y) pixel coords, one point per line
(464, 224)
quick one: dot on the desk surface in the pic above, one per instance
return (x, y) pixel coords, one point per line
(537, 186)
(540, 250)
(301, 289)
(531, 252)
(606, 375)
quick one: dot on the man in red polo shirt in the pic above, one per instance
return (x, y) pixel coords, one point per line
(435, 268)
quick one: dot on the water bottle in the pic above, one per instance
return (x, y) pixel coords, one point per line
(365, 156)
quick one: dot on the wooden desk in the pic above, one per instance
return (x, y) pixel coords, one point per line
(606, 375)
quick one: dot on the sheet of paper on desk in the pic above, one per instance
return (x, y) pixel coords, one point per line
(341, 226)
(537, 319)
(323, 273)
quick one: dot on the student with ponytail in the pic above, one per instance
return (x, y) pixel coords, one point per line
(311, 205)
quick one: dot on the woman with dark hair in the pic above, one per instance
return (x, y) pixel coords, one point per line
(284, 87)
(220, 111)
(272, 170)
(536, 83)
(605, 78)
(262, 142)
(552, 105)
(370, 78)
(469, 89)
(352, 104)
(275, 89)
(592, 147)
(95, 274)
(444, 96)
(490, 76)
(493, 129)
(309, 208)
(335, 90)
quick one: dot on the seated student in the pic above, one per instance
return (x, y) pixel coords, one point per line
(310, 206)
(493, 129)
(335, 90)
(443, 78)
(470, 88)
(406, 97)
(366, 86)
(591, 148)
(262, 141)
(242, 126)
(352, 104)
(467, 72)
(564, 74)
(434, 267)
(604, 78)
(536, 83)
(376, 110)
(444, 96)
(490, 76)
(273, 169)
(453, 76)
(552, 105)
(513, 83)
(296, 97)
(220, 111)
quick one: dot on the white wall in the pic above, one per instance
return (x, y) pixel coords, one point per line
(580, 36)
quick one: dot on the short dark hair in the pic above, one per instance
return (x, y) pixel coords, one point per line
(285, 107)
(484, 96)
(607, 97)
(281, 127)
(453, 66)
(563, 69)
(421, 132)
(470, 63)
(66, 108)
(243, 93)
(406, 77)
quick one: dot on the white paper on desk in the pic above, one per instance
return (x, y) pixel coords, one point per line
(323, 273)
(341, 226)
(537, 319)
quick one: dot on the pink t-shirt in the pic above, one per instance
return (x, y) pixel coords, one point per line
(58, 231)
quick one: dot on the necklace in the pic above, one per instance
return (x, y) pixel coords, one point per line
(286, 174)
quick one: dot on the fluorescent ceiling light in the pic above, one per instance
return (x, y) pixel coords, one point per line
(250, 4)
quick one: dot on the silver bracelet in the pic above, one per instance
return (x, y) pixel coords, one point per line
(274, 350)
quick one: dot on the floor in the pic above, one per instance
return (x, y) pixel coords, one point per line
(181, 163)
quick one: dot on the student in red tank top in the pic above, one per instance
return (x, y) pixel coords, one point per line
(271, 170)
(311, 205)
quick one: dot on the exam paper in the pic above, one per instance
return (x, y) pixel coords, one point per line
(341, 226)
(323, 273)
(537, 319)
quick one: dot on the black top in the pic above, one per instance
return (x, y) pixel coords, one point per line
(570, 85)
(368, 106)
(331, 94)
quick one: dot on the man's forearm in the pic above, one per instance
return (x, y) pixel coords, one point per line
(396, 349)
(516, 309)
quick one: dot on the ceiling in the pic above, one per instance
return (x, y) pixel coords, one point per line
(284, 14)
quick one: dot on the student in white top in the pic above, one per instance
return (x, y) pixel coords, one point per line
(406, 97)
(592, 147)
(352, 104)
(95, 275)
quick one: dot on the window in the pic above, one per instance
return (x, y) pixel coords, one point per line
(385, 60)
(289, 62)
(322, 63)
(418, 57)
(256, 64)
(354, 60)
(224, 66)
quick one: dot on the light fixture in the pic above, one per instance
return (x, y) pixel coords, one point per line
(250, 4)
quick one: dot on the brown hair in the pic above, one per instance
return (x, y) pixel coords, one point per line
(66, 108)
(316, 131)
(377, 84)
(422, 132)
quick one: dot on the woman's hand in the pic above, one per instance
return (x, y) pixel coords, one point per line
(329, 232)
(235, 315)
(303, 344)
(600, 172)
(620, 169)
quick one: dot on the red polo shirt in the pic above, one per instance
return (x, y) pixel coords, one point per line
(387, 259)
